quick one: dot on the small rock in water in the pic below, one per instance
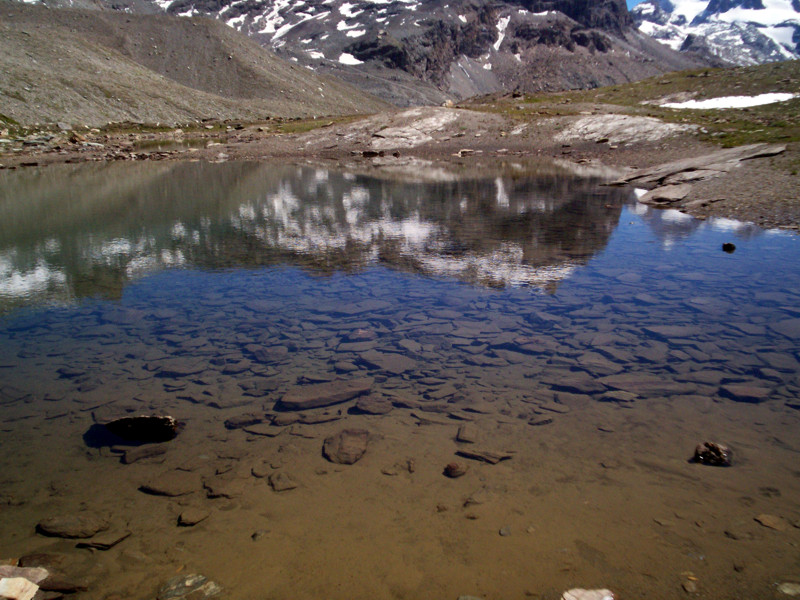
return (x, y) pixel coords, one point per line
(455, 469)
(710, 453)
(582, 594)
(192, 516)
(148, 429)
(773, 522)
(346, 447)
(260, 534)
(729, 247)
(190, 587)
(281, 482)
(467, 433)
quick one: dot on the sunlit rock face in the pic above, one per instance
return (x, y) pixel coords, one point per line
(115, 223)
(740, 32)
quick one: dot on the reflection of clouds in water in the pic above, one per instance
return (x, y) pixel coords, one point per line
(490, 231)
(720, 224)
(671, 226)
(502, 197)
(502, 267)
(17, 282)
(675, 216)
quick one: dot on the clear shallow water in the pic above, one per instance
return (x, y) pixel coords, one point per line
(595, 340)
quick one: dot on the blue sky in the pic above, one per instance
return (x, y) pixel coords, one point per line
(632, 3)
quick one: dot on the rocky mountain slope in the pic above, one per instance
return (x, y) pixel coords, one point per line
(90, 67)
(428, 51)
(740, 32)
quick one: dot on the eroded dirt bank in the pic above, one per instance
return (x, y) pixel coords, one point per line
(758, 184)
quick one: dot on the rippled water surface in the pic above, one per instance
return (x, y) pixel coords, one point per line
(586, 341)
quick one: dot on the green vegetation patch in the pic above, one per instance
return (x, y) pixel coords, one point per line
(775, 123)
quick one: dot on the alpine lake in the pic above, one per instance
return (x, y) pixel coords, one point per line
(452, 383)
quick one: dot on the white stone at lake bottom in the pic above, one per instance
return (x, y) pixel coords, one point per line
(581, 594)
(790, 589)
(17, 588)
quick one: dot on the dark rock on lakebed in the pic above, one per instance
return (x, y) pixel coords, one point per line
(455, 469)
(346, 447)
(711, 453)
(144, 428)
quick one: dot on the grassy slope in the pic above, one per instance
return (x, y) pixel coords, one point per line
(731, 127)
(90, 67)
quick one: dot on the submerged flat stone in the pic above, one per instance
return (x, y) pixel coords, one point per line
(325, 394)
(173, 483)
(745, 392)
(72, 526)
(389, 361)
(490, 456)
(346, 447)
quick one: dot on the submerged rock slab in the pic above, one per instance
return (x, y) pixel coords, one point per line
(388, 361)
(72, 526)
(490, 456)
(346, 447)
(325, 394)
(173, 484)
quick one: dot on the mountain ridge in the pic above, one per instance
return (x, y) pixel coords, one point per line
(72, 65)
(412, 52)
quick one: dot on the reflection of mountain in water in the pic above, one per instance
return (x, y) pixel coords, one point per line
(81, 231)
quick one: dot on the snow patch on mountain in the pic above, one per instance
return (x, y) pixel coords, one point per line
(725, 102)
(741, 32)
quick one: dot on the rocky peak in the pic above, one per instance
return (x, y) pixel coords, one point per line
(610, 15)
(741, 32)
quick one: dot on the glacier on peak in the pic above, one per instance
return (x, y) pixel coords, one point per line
(740, 32)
